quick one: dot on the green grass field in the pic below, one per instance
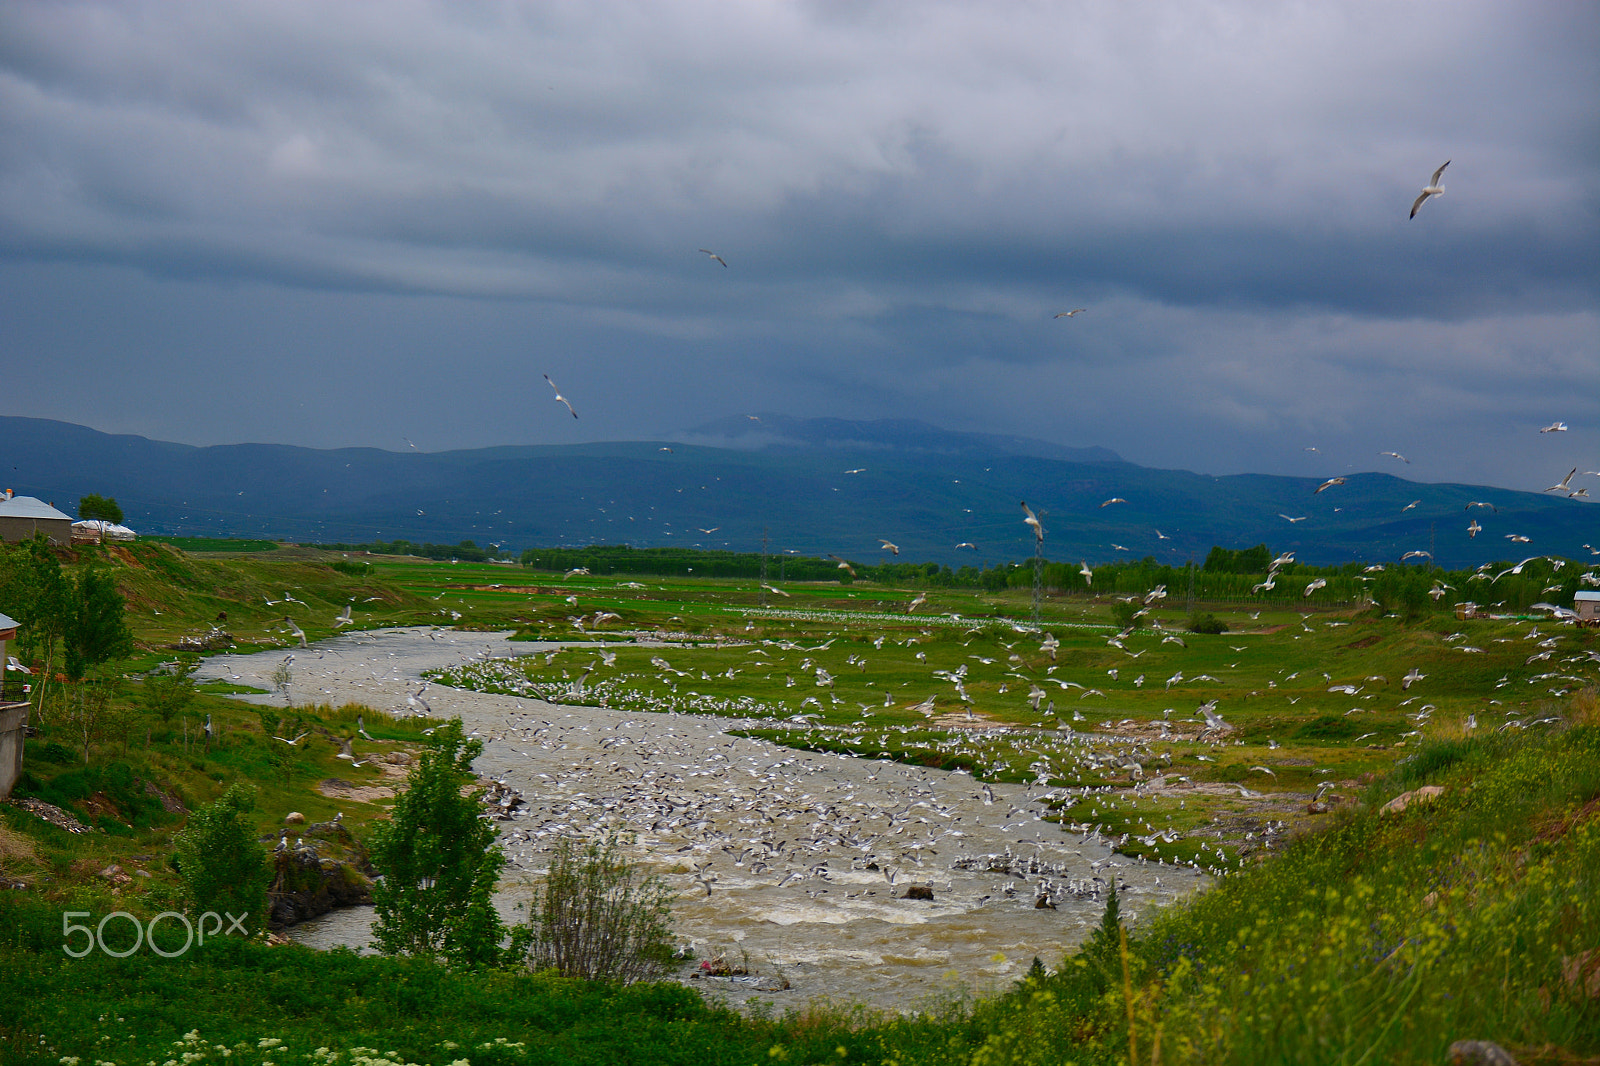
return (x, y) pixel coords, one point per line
(1339, 935)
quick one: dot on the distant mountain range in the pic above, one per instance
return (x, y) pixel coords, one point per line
(814, 486)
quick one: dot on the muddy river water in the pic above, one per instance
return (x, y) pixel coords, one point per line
(782, 859)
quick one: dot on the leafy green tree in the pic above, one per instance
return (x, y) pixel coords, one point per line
(99, 628)
(41, 598)
(597, 917)
(223, 868)
(438, 861)
(94, 507)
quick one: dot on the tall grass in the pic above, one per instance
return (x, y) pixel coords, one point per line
(1381, 940)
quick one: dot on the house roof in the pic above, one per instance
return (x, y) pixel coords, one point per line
(29, 507)
(7, 622)
(1586, 595)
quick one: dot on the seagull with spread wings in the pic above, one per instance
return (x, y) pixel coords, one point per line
(715, 256)
(1074, 311)
(1328, 484)
(560, 398)
(1033, 520)
(1432, 189)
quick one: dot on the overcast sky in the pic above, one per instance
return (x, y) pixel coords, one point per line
(354, 223)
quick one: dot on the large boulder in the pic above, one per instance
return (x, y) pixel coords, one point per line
(1425, 794)
(327, 869)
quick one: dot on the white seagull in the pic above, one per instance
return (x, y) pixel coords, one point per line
(1555, 427)
(560, 398)
(1562, 486)
(1432, 189)
(1033, 520)
(1074, 311)
(724, 262)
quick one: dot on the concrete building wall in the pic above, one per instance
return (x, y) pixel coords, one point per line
(59, 530)
(13, 717)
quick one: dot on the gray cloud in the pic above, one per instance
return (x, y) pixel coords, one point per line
(343, 223)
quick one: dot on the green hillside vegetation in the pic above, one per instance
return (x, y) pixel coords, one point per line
(1338, 934)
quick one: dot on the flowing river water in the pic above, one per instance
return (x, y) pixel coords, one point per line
(708, 812)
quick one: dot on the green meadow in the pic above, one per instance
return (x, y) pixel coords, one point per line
(1337, 933)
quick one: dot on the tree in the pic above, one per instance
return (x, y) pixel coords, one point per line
(223, 868)
(94, 507)
(99, 630)
(597, 917)
(168, 692)
(32, 584)
(438, 861)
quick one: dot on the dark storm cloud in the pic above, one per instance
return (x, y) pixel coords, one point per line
(424, 206)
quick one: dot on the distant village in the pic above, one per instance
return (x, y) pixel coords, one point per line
(23, 516)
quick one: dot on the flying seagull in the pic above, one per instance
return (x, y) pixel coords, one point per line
(889, 546)
(966, 544)
(1074, 311)
(724, 262)
(1396, 455)
(1562, 486)
(1114, 499)
(842, 564)
(1328, 484)
(1033, 520)
(1433, 189)
(560, 398)
(1292, 521)
(1555, 427)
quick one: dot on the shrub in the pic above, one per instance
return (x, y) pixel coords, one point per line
(1206, 623)
(597, 917)
(168, 692)
(222, 866)
(1127, 615)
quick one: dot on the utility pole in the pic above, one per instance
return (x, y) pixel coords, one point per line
(1038, 575)
(763, 566)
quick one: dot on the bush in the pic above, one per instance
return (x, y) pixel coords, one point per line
(1206, 623)
(1127, 615)
(222, 866)
(168, 692)
(597, 917)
